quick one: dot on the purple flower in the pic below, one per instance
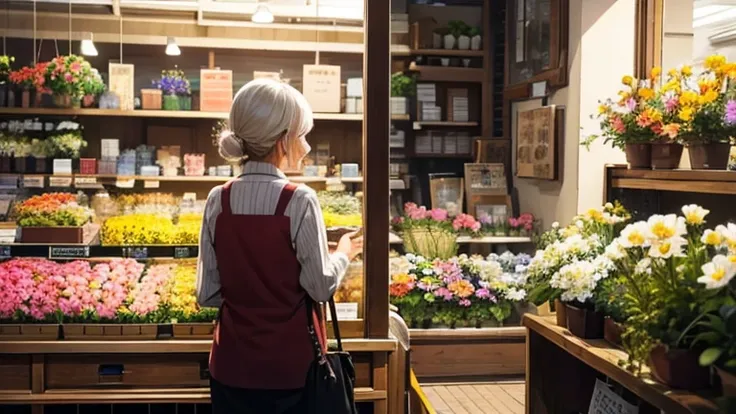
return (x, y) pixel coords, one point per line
(444, 293)
(631, 104)
(483, 293)
(731, 112)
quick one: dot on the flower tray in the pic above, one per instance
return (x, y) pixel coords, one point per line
(92, 332)
(29, 332)
(60, 235)
(193, 330)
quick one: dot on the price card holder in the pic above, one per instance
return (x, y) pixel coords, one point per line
(33, 181)
(138, 253)
(60, 181)
(86, 182)
(605, 401)
(125, 183)
(5, 252)
(181, 253)
(345, 311)
(68, 252)
(151, 184)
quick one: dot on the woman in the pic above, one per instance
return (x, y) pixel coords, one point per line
(262, 254)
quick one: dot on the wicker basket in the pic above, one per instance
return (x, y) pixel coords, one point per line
(430, 243)
(151, 99)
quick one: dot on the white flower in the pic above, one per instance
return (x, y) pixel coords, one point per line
(428, 272)
(718, 272)
(400, 265)
(615, 251)
(612, 218)
(694, 214)
(488, 271)
(556, 225)
(515, 294)
(579, 224)
(729, 236)
(667, 248)
(608, 206)
(643, 267)
(665, 227)
(634, 235)
(577, 281)
(712, 238)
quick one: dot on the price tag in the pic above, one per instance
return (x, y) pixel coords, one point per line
(137, 252)
(125, 183)
(7, 235)
(605, 401)
(33, 181)
(5, 252)
(416, 126)
(85, 182)
(345, 311)
(539, 89)
(68, 252)
(151, 184)
(181, 253)
(60, 181)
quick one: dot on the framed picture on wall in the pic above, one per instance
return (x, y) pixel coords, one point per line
(485, 179)
(494, 209)
(536, 143)
(446, 191)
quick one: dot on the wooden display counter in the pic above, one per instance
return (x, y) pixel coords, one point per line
(562, 370)
(440, 354)
(147, 372)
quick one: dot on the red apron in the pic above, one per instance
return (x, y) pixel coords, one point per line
(261, 340)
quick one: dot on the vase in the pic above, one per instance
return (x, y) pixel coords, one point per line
(728, 383)
(449, 41)
(514, 233)
(185, 103)
(5, 164)
(463, 42)
(25, 98)
(38, 99)
(88, 101)
(445, 62)
(171, 103)
(584, 323)
(475, 42)
(612, 331)
(3, 95)
(561, 312)
(638, 155)
(430, 243)
(666, 155)
(710, 156)
(679, 368)
(63, 101)
(11, 97)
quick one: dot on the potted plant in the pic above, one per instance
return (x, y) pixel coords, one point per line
(65, 76)
(22, 155)
(176, 90)
(5, 63)
(632, 122)
(720, 337)
(475, 38)
(402, 87)
(92, 88)
(52, 218)
(438, 37)
(7, 148)
(454, 29)
(429, 233)
(577, 281)
(666, 146)
(40, 154)
(460, 30)
(26, 79)
(607, 302)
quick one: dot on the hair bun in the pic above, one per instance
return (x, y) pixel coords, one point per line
(230, 147)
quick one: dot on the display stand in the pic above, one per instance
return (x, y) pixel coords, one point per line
(562, 370)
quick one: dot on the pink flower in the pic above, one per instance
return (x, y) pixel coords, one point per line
(618, 125)
(514, 223)
(443, 293)
(464, 302)
(438, 214)
(465, 222)
(631, 104)
(420, 213)
(68, 77)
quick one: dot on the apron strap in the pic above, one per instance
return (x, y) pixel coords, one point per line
(225, 198)
(286, 194)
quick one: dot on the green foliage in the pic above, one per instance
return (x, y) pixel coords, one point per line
(718, 335)
(608, 298)
(458, 28)
(403, 85)
(474, 31)
(68, 145)
(5, 62)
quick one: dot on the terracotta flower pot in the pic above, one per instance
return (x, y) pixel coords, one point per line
(639, 155)
(666, 156)
(25, 99)
(584, 323)
(679, 368)
(711, 156)
(728, 383)
(561, 311)
(612, 331)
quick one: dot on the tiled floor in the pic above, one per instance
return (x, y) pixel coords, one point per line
(477, 397)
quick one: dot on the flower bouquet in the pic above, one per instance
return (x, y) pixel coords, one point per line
(176, 90)
(341, 212)
(67, 145)
(5, 70)
(66, 77)
(29, 79)
(52, 218)
(430, 233)
(92, 87)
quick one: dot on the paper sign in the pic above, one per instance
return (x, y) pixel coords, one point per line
(267, 75)
(7, 236)
(125, 183)
(121, 83)
(216, 90)
(539, 89)
(85, 182)
(33, 181)
(60, 181)
(345, 311)
(181, 253)
(151, 184)
(65, 252)
(321, 87)
(605, 401)
(137, 253)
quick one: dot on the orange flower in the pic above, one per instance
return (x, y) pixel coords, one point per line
(671, 130)
(461, 288)
(646, 93)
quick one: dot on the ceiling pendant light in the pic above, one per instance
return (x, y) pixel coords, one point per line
(88, 46)
(262, 15)
(172, 49)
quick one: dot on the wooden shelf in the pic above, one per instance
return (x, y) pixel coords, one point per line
(184, 178)
(691, 181)
(141, 113)
(447, 74)
(421, 124)
(448, 52)
(458, 156)
(604, 358)
(512, 332)
(394, 239)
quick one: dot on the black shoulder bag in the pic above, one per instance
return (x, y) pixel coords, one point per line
(330, 385)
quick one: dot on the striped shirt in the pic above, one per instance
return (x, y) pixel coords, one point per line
(256, 192)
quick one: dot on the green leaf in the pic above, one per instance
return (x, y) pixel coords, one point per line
(710, 356)
(710, 338)
(731, 363)
(717, 324)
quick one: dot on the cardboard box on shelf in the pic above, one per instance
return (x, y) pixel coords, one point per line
(216, 90)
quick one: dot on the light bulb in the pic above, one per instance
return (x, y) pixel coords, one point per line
(88, 46)
(262, 15)
(172, 49)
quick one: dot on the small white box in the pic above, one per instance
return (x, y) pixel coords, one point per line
(150, 170)
(355, 88)
(350, 170)
(397, 139)
(109, 147)
(62, 166)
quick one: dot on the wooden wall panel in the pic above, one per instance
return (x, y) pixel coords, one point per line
(15, 373)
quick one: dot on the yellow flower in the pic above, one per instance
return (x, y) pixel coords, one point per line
(688, 98)
(686, 114)
(402, 278)
(627, 80)
(686, 70)
(94, 285)
(656, 71)
(603, 108)
(672, 73)
(646, 93)
(714, 62)
(594, 214)
(708, 97)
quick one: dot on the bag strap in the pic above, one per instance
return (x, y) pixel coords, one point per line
(335, 324)
(317, 328)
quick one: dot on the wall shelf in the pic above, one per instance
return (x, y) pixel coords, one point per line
(184, 178)
(690, 181)
(448, 52)
(395, 239)
(421, 124)
(447, 74)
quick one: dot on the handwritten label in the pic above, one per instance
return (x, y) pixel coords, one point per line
(68, 252)
(605, 401)
(136, 252)
(121, 83)
(33, 181)
(125, 183)
(345, 311)
(5, 252)
(181, 252)
(151, 184)
(85, 182)
(321, 86)
(60, 181)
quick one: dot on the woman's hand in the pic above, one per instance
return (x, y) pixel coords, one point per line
(350, 246)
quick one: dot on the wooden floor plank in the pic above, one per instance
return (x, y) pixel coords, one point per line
(466, 400)
(504, 400)
(451, 400)
(517, 391)
(486, 406)
(437, 402)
